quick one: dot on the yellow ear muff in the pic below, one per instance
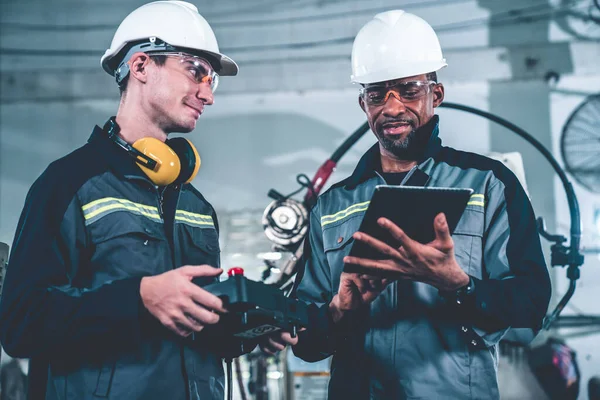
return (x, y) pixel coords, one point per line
(198, 162)
(188, 155)
(168, 165)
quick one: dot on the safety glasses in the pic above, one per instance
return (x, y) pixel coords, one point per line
(196, 68)
(378, 94)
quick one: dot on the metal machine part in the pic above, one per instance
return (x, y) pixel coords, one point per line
(285, 222)
(579, 144)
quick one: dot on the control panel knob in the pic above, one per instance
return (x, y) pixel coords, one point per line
(235, 271)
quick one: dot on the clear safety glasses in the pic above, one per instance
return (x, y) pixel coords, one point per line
(378, 94)
(196, 68)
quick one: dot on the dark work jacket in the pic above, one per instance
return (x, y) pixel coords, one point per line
(92, 226)
(412, 342)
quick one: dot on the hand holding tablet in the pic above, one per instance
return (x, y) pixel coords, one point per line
(413, 209)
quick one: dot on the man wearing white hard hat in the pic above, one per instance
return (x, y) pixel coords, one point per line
(99, 292)
(433, 331)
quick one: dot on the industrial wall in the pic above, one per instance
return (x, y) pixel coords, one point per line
(532, 62)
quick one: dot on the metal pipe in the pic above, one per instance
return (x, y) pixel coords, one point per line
(574, 257)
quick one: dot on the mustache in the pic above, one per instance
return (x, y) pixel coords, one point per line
(389, 121)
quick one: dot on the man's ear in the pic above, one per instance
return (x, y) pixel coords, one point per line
(438, 94)
(138, 66)
(361, 103)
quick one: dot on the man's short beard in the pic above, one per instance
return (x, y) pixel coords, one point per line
(402, 148)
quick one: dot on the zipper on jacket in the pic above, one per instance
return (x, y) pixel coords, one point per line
(161, 201)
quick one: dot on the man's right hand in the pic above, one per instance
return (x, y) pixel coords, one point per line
(178, 303)
(355, 291)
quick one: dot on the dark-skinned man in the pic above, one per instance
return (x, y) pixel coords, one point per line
(432, 334)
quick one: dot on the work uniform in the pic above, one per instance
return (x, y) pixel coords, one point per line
(92, 226)
(414, 342)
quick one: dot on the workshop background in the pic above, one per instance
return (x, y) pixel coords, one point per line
(531, 62)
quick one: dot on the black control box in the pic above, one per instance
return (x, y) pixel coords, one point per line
(256, 309)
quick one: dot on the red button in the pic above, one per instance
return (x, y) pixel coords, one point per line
(235, 271)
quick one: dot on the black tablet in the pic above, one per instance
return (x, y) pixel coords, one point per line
(411, 208)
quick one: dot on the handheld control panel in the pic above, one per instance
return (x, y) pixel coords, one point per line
(256, 309)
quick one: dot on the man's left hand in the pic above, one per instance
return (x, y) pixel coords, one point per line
(274, 343)
(433, 263)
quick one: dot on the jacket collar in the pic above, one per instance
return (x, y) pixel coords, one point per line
(120, 162)
(370, 162)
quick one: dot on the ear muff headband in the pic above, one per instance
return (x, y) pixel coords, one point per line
(112, 129)
(176, 161)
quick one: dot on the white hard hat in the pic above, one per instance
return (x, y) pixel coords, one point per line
(395, 44)
(165, 25)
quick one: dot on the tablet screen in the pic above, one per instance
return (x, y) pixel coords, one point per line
(411, 208)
